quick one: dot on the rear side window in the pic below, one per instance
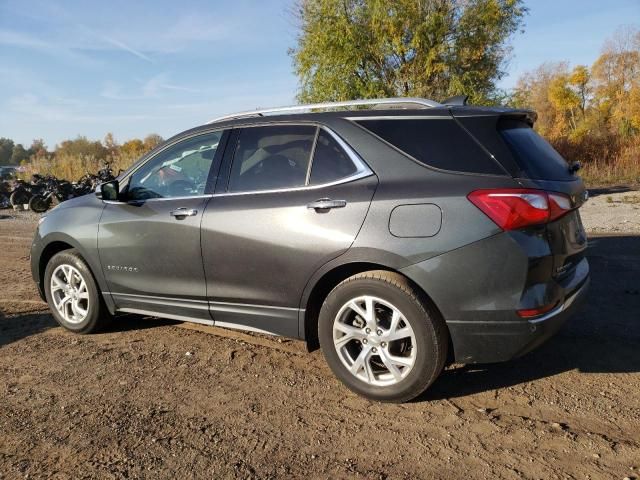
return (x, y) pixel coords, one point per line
(330, 161)
(533, 154)
(439, 143)
(271, 157)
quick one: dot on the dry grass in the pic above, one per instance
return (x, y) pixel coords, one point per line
(74, 167)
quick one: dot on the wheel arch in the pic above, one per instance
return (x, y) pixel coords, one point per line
(328, 281)
(58, 243)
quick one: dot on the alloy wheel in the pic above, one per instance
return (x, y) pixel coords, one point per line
(374, 341)
(69, 293)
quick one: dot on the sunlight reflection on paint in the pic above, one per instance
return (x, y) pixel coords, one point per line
(297, 221)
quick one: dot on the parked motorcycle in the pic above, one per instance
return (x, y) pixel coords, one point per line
(23, 191)
(54, 191)
(5, 193)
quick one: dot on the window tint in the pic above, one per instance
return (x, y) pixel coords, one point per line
(535, 157)
(330, 161)
(179, 171)
(439, 143)
(271, 157)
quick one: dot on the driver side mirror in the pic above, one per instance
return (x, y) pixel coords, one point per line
(109, 191)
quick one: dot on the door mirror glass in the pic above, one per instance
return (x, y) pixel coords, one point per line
(109, 191)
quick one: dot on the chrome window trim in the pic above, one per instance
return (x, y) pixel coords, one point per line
(348, 179)
(362, 170)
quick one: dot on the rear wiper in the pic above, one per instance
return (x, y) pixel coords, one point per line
(574, 167)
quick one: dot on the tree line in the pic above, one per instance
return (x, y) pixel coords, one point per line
(71, 159)
(350, 49)
(591, 113)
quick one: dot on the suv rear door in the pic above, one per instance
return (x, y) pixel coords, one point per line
(289, 199)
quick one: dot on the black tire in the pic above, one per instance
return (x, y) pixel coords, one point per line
(428, 327)
(19, 198)
(39, 204)
(97, 316)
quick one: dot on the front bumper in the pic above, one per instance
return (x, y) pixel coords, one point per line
(488, 342)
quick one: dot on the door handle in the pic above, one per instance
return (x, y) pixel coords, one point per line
(183, 212)
(327, 204)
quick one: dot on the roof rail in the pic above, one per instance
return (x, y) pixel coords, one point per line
(422, 102)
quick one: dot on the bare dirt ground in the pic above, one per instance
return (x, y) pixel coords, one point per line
(613, 209)
(158, 399)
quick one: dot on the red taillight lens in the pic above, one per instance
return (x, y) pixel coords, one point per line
(558, 205)
(534, 312)
(513, 208)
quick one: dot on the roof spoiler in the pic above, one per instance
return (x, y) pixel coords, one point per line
(456, 101)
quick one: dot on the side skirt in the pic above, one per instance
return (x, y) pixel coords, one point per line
(266, 319)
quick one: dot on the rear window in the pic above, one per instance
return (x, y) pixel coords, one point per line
(439, 143)
(533, 154)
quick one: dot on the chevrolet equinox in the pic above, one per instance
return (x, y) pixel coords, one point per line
(396, 234)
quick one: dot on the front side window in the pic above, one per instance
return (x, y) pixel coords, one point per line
(271, 157)
(179, 171)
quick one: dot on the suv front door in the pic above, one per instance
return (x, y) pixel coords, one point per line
(295, 197)
(149, 243)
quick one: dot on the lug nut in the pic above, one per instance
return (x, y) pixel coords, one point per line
(364, 340)
(374, 349)
(367, 330)
(383, 344)
(379, 332)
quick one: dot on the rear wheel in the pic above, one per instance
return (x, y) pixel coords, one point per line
(39, 204)
(381, 337)
(72, 294)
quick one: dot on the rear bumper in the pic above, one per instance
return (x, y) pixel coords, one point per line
(487, 342)
(479, 288)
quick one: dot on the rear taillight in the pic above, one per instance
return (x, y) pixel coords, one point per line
(536, 312)
(513, 208)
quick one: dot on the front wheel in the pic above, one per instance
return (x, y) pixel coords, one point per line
(19, 198)
(72, 294)
(39, 204)
(381, 337)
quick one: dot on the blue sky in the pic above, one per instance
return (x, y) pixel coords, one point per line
(136, 67)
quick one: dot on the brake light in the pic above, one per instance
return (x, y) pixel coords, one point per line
(535, 312)
(512, 208)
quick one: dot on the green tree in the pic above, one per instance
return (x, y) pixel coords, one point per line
(19, 154)
(430, 48)
(6, 150)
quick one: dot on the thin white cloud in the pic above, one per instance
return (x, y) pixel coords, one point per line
(154, 87)
(54, 49)
(127, 48)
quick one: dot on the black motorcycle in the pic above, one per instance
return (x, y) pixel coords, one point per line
(5, 193)
(23, 191)
(54, 191)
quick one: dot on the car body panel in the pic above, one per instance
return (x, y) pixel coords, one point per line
(149, 255)
(260, 249)
(253, 260)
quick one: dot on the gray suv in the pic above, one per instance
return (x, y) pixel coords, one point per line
(397, 237)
